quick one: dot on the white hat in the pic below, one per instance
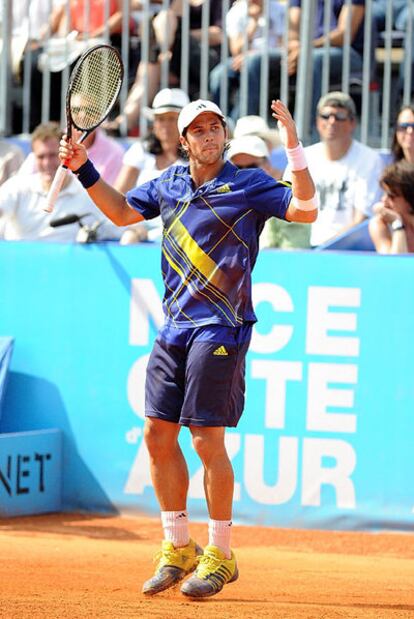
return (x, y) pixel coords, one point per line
(194, 109)
(256, 125)
(248, 145)
(167, 100)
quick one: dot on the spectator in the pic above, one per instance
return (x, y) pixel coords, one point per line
(403, 139)
(341, 13)
(147, 159)
(345, 171)
(256, 125)
(106, 152)
(11, 158)
(23, 197)
(246, 16)
(167, 23)
(250, 151)
(392, 227)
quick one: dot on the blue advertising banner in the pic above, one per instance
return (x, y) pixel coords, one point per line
(326, 437)
(30, 472)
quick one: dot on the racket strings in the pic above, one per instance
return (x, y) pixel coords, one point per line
(95, 86)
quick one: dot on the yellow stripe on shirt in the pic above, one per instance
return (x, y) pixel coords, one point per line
(198, 257)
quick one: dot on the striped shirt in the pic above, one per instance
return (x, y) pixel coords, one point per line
(210, 240)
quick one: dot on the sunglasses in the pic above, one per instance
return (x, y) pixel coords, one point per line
(405, 126)
(246, 167)
(338, 116)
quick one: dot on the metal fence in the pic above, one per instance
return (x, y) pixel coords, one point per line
(383, 83)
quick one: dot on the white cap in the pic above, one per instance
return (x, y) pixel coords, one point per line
(256, 125)
(167, 100)
(194, 109)
(248, 145)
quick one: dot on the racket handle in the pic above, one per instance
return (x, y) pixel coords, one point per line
(55, 188)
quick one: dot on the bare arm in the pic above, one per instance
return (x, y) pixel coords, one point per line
(110, 201)
(113, 204)
(303, 187)
(214, 35)
(386, 242)
(337, 35)
(294, 23)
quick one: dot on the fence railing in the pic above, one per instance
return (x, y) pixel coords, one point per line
(383, 83)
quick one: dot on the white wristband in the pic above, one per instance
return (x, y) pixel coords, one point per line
(305, 205)
(296, 158)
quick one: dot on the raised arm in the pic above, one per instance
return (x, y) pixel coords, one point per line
(303, 206)
(110, 201)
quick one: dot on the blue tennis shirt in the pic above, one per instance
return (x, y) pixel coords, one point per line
(210, 240)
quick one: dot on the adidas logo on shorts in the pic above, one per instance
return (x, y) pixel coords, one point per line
(221, 352)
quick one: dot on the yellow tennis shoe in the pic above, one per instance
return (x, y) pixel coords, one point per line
(172, 565)
(212, 573)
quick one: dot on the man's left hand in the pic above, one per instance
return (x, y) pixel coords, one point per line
(285, 124)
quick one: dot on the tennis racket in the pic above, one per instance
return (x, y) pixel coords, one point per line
(94, 86)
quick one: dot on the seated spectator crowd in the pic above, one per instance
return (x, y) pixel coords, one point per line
(353, 181)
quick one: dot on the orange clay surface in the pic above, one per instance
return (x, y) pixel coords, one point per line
(76, 566)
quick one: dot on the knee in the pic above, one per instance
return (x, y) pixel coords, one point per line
(158, 443)
(206, 448)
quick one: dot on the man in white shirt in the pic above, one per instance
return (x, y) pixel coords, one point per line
(23, 197)
(346, 173)
(104, 151)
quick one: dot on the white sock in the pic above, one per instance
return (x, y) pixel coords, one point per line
(175, 526)
(219, 532)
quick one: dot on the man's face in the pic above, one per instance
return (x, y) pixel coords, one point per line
(46, 156)
(205, 138)
(335, 124)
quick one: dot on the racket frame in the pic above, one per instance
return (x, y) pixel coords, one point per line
(62, 170)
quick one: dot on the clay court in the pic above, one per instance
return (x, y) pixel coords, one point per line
(82, 566)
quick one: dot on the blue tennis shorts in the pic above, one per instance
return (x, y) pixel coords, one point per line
(196, 376)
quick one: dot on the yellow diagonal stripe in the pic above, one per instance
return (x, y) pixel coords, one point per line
(198, 257)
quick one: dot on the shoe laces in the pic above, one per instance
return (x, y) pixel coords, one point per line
(168, 557)
(207, 564)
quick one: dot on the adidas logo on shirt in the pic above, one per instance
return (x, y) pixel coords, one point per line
(221, 352)
(223, 188)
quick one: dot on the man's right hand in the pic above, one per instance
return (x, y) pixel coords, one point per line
(71, 154)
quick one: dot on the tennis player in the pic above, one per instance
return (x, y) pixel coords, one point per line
(212, 216)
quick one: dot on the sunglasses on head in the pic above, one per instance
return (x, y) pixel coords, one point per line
(405, 126)
(338, 116)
